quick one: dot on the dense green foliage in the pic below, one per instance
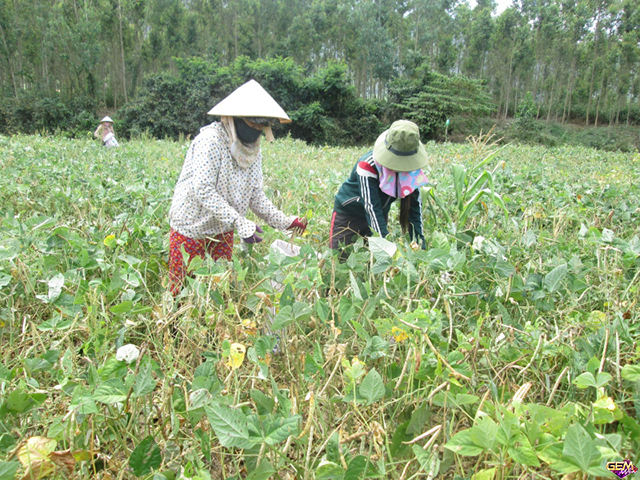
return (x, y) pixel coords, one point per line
(429, 99)
(507, 348)
(580, 59)
(324, 107)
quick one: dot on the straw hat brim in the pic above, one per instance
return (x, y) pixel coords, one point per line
(399, 163)
(250, 100)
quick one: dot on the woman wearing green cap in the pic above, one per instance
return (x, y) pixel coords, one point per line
(391, 171)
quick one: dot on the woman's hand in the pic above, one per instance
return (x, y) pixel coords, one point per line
(254, 238)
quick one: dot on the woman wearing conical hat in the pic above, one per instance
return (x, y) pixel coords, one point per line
(391, 171)
(106, 133)
(222, 178)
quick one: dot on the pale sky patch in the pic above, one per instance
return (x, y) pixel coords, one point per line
(502, 5)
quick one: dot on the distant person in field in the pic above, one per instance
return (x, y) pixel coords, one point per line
(391, 171)
(106, 133)
(222, 178)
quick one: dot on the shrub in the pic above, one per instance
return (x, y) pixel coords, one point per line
(324, 107)
(170, 105)
(32, 113)
(429, 98)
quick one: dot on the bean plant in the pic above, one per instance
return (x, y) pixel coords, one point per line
(507, 349)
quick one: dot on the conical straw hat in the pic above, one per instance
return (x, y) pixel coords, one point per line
(250, 100)
(106, 119)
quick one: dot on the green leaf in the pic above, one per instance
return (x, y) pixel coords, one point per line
(631, 372)
(206, 369)
(465, 399)
(333, 451)
(579, 448)
(529, 239)
(463, 444)
(381, 249)
(55, 287)
(419, 418)
(281, 428)
(264, 403)
(553, 279)
(631, 428)
(381, 266)
(8, 470)
(484, 432)
(5, 279)
(145, 457)
(459, 176)
(585, 380)
(429, 462)
(55, 323)
(7, 253)
(111, 391)
(284, 318)
(523, 453)
(504, 269)
(355, 286)
(301, 311)
(84, 404)
(265, 344)
(372, 387)
(356, 469)
(487, 474)
(229, 424)
(264, 471)
(549, 450)
(605, 411)
(113, 368)
(144, 384)
(123, 307)
(602, 379)
(509, 428)
(199, 398)
(376, 348)
(329, 471)
(19, 402)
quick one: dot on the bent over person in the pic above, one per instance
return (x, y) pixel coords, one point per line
(391, 171)
(221, 179)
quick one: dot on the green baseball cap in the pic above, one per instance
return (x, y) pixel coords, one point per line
(400, 148)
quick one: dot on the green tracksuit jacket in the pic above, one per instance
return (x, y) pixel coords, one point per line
(361, 196)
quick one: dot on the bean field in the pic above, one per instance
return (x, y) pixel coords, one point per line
(508, 349)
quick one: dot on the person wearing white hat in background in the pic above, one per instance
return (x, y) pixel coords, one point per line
(106, 133)
(221, 179)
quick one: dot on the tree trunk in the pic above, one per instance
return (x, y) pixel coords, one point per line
(506, 109)
(553, 88)
(593, 64)
(8, 55)
(124, 73)
(235, 31)
(602, 91)
(569, 90)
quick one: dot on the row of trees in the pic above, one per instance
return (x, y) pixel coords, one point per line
(579, 58)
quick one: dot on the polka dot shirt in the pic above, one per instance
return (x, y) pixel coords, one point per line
(213, 193)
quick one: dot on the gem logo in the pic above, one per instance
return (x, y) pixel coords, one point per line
(622, 469)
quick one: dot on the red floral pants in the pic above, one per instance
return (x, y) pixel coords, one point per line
(220, 246)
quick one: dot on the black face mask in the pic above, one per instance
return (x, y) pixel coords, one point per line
(245, 133)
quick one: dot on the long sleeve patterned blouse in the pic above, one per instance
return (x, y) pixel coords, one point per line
(213, 193)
